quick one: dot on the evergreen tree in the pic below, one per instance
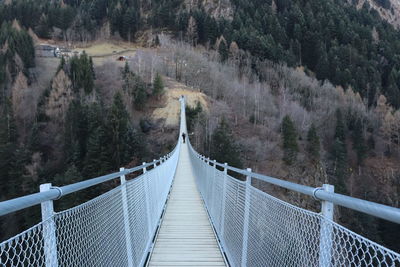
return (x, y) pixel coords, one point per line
(71, 175)
(371, 142)
(92, 68)
(97, 153)
(126, 71)
(224, 149)
(192, 114)
(61, 66)
(43, 29)
(8, 150)
(313, 143)
(129, 24)
(139, 93)
(64, 17)
(158, 85)
(136, 147)
(117, 122)
(340, 130)
(157, 41)
(34, 140)
(359, 141)
(82, 73)
(75, 135)
(136, 87)
(339, 153)
(223, 51)
(289, 140)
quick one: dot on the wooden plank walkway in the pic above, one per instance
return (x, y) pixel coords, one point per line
(186, 237)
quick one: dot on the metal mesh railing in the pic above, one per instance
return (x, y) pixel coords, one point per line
(254, 228)
(257, 229)
(113, 229)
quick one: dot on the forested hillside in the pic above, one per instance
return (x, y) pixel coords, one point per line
(72, 127)
(305, 90)
(332, 38)
(389, 10)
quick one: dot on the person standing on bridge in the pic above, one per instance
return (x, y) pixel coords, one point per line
(183, 137)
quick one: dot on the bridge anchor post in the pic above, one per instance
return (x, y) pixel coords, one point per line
(326, 228)
(49, 229)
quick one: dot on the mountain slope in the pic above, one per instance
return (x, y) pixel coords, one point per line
(387, 9)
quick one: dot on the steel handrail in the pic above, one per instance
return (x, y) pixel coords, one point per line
(375, 209)
(55, 193)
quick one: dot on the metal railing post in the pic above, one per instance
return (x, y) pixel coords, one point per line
(157, 183)
(128, 240)
(246, 220)
(212, 184)
(207, 185)
(49, 230)
(325, 245)
(222, 226)
(147, 200)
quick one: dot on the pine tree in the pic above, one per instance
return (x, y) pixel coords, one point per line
(43, 29)
(339, 153)
(71, 175)
(136, 146)
(192, 114)
(157, 41)
(313, 143)
(87, 73)
(371, 142)
(340, 127)
(136, 87)
(92, 68)
(61, 66)
(223, 51)
(359, 141)
(129, 24)
(93, 164)
(139, 93)
(8, 149)
(117, 122)
(158, 85)
(224, 149)
(75, 134)
(95, 160)
(290, 146)
(34, 140)
(126, 71)
(82, 73)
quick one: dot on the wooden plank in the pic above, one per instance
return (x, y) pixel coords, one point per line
(186, 237)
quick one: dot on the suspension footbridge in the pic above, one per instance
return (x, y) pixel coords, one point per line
(187, 210)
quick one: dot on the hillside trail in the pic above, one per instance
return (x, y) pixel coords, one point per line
(170, 109)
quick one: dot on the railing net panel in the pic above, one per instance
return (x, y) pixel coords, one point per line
(94, 233)
(25, 249)
(279, 234)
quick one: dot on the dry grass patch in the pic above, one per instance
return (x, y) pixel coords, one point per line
(170, 110)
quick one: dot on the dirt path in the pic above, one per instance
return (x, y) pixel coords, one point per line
(173, 91)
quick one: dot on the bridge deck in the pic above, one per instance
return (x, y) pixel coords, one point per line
(185, 237)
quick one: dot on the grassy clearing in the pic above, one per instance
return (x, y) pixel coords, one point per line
(106, 49)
